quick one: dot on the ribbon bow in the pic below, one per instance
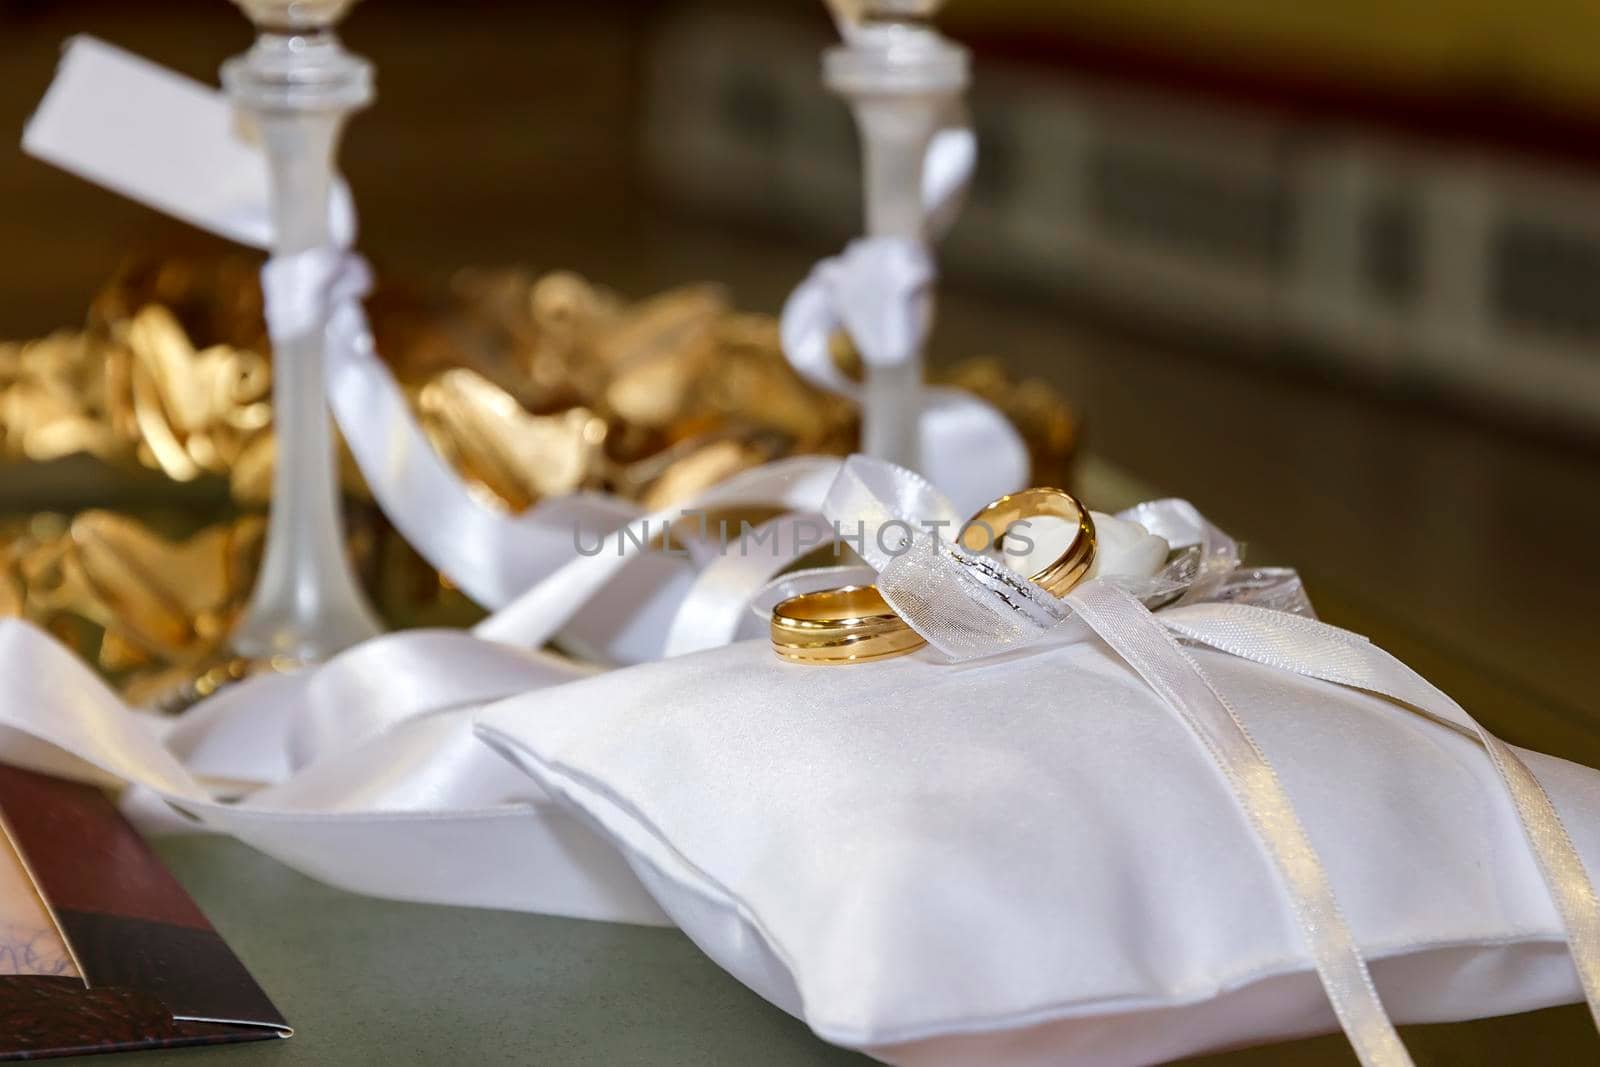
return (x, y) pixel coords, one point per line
(880, 289)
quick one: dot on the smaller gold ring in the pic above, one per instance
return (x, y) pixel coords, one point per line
(997, 520)
(838, 626)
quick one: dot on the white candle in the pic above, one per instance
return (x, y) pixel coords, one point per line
(299, 85)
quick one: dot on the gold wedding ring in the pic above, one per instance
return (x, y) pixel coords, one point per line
(988, 529)
(856, 625)
(849, 625)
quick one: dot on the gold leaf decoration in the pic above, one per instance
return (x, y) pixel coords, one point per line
(520, 458)
(531, 387)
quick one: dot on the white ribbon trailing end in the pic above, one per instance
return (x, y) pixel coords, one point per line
(365, 772)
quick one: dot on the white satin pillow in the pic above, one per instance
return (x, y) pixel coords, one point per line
(1029, 860)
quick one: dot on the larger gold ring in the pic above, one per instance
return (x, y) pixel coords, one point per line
(856, 625)
(849, 625)
(987, 532)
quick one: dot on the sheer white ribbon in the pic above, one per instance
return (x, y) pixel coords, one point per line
(968, 606)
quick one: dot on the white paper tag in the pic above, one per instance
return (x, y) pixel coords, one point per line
(157, 137)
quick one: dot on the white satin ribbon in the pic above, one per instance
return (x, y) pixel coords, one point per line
(173, 144)
(967, 606)
(492, 556)
(1307, 647)
(137, 129)
(1151, 650)
(880, 291)
(715, 613)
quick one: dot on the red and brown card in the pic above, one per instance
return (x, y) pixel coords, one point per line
(101, 950)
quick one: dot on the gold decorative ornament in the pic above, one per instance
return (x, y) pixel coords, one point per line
(531, 387)
(149, 611)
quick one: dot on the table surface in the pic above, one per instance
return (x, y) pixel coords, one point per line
(377, 982)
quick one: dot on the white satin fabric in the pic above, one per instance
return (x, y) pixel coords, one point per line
(1030, 860)
(348, 793)
(364, 772)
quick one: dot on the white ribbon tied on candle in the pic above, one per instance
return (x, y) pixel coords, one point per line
(880, 292)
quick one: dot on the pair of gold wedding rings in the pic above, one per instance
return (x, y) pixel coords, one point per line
(856, 625)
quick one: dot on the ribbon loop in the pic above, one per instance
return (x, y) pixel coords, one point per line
(879, 291)
(882, 507)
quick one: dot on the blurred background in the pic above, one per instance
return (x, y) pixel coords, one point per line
(1330, 270)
